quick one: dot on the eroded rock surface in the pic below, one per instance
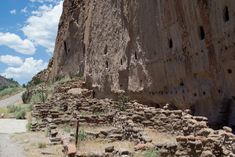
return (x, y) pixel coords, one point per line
(158, 51)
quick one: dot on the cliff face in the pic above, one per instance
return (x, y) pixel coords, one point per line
(178, 51)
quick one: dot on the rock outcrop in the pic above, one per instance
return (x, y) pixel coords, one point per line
(42, 76)
(158, 51)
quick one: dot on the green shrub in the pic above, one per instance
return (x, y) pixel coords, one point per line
(13, 108)
(19, 111)
(20, 114)
(26, 96)
(37, 81)
(122, 102)
(151, 153)
(62, 79)
(39, 97)
(82, 136)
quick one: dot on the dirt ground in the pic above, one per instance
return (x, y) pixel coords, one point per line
(33, 141)
(36, 144)
(8, 148)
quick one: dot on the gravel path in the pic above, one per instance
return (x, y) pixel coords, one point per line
(11, 126)
(9, 148)
(11, 100)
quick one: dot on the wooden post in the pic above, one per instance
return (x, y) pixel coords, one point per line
(77, 129)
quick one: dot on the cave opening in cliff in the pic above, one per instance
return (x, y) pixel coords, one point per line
(226, 14)
(136, 56)
(233, 97)
(225, 112)
(107, 64)
(65, 47)
(106, 50)
(202, 33)
(93, 94)
(170, 43)
(181, 83)
(230, 71)
(121, 62)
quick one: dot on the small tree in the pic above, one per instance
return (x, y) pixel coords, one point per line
(122, 100)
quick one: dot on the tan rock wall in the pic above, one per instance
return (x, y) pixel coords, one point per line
(178, 51)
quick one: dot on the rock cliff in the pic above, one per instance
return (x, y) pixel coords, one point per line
(158, 51)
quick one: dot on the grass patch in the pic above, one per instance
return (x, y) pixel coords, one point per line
(39, 97)
(4, 111)
(10, 91)
(19, 111)
(62, 79)
(151, 153)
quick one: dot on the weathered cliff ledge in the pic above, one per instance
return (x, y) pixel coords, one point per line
(178, 51)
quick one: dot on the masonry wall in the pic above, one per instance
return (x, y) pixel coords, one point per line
(176, 51)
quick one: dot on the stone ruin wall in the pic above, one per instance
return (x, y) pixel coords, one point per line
(177, 51)
(71, 102)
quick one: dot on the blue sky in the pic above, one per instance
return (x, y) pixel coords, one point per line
(28, 30)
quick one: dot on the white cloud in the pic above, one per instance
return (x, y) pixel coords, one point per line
(42, 26)
(26, 70)
(13, 12)
(11, 60)
(24, 10)
(13, 41)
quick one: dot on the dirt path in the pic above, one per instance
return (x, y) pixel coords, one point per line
(11, 100)
(9, 148)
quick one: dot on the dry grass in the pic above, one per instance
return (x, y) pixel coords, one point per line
(30, 141)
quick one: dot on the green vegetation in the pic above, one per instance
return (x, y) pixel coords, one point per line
(8, 91)
(37, 81)
(3, 110)
(29, 125)
(151, 153)
(26, 96)
(40, 96)
(122, 100)
(82, 136)
(62, 79)
(20, 114)
(67, 128)
(17, 111)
